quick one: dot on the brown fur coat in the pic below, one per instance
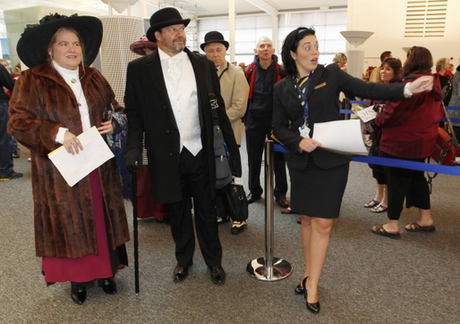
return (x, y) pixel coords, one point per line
(64, 221)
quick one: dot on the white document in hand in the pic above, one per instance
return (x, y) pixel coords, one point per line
(75, 167)
(341, 136)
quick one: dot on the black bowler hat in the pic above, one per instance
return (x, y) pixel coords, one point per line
(162, 18)
(32, 47)
(214, 37)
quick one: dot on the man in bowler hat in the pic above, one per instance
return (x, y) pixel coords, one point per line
(168, 97)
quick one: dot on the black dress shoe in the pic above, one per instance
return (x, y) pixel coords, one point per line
(300, 289)
(180, 273)
(312, 307)
(109, 286)
(282, 201)
(217, 275)
(252, 198)
(78, 295)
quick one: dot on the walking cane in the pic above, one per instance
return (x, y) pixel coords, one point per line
(135, 234)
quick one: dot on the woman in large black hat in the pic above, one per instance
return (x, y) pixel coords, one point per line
(80, 231)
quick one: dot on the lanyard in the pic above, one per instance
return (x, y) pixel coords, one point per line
(302, 89)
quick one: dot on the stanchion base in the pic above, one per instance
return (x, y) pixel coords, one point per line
(280, 269)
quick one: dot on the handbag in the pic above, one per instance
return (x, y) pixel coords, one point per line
(236, 202)
(446, 148)
(223, 171)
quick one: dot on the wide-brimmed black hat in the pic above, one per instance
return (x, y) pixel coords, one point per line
(214, 37)
(163, 18)
(32, 47)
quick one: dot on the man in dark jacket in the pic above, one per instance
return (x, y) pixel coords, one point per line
(6, 154)
(262, 74)
(167, 97)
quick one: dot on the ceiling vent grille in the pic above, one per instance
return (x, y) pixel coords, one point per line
(425, 18)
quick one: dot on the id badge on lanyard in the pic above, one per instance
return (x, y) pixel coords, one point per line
(304, 130)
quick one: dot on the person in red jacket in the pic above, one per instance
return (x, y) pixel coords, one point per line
(409, 132)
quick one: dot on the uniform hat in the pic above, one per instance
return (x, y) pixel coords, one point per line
(32, 47)
(214, 37)
(162, 18)
(138, 47)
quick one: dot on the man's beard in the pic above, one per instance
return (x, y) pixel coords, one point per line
(177, 47)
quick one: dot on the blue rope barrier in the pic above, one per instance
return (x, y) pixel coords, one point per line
(404, 164)
(357, 102)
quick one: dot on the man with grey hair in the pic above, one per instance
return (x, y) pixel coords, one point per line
(262, 74)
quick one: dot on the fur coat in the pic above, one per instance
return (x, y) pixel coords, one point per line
(63, 216)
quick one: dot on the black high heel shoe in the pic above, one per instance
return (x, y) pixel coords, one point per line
(312, 307)
(300, 289)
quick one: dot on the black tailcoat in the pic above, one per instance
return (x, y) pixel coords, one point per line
(149, 110)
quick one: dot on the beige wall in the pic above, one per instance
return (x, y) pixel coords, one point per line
(387, 19)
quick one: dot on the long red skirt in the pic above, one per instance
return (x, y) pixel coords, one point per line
(91, 266)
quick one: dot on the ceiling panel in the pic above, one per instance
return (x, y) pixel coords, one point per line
(201, 8)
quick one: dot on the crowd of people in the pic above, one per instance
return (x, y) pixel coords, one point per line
(81, 230)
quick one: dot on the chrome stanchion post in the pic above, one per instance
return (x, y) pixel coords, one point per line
(269, 268)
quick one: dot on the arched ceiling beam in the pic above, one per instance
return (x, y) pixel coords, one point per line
(265, 7)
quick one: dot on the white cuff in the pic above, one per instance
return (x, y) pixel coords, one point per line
(407, 92)
(60, 136)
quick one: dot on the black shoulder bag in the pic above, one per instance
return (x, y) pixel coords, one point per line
(236, 202)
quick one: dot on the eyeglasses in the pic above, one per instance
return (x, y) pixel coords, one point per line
(172, 30)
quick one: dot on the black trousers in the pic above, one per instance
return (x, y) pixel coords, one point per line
(195, 184)
(255, 140)
(406, 184)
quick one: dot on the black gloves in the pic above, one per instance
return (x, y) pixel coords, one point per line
(133, 160)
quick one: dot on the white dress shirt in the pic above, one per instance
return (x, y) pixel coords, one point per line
(182, 91)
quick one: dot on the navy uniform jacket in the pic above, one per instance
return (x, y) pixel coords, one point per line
(323, 94)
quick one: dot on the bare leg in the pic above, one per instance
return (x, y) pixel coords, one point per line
(306, 236)
(317, 249)
(380, 193)
(382, 189)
